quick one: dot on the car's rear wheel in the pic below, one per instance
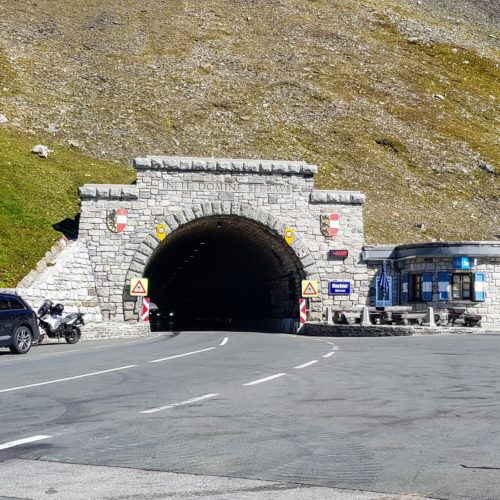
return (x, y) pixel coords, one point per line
(22, 340)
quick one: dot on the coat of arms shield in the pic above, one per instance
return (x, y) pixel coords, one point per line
(116, 220)
(329, 225)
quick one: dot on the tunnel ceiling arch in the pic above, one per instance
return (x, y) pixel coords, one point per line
(225, 270)
(222, 266)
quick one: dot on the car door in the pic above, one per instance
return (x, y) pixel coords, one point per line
(18, 313)
(5, 322)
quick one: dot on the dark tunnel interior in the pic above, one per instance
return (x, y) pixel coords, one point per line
(223, 273)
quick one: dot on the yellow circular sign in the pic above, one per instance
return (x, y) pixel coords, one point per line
(289, 235)
(161, 231)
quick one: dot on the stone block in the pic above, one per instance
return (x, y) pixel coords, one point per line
(142, 163)
(251, 166)
(226, 196)
(199, 165)
(266, 168)
(87, 192)
(102, 192)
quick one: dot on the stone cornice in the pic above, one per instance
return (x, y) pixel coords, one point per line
(109, 191)
(178, 163)
(334, 197)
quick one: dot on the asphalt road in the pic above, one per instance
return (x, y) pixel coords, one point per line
(252, 415)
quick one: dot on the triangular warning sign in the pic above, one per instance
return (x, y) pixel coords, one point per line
(139, 286)
(310, 288)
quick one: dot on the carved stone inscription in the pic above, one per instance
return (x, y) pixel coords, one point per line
(232, 187)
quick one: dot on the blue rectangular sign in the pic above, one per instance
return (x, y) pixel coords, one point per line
(337, 287)
(461, 263)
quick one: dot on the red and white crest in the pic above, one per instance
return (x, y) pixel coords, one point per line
(330, 224)
(116, 220)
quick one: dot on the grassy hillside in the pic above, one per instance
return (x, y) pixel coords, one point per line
(37, 193)
(393, 98)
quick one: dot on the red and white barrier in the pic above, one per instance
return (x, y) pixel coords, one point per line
(302, 311)
(145, 308)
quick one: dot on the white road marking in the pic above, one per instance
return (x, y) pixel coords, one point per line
(68, 378)
(329, 354)
(181, 355)
(18, 442)
(224, 342)
(101, 346)
(306, 364)
(335, 348)
(182, 403)
(265, 379)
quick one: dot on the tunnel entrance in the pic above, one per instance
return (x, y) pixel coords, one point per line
(224, 272)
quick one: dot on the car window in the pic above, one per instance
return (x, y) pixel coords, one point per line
(16, 304)
(4, 304)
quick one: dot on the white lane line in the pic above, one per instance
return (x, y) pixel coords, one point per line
(306, 364)
(18, 442)
(101, 346)
(329, 354)
(181, 355)
(265, 379)
(68, 378)
(182, 403)
(224, 342)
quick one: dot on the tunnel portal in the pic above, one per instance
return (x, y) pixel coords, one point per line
(223, 272)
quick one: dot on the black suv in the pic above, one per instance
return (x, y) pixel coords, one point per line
(18, 325)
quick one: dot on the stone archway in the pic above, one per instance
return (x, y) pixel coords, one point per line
(276, 258)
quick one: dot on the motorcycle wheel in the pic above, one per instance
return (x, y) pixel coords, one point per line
(73, 336)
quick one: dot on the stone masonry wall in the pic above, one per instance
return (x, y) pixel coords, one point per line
(65, 277)
(176, 190)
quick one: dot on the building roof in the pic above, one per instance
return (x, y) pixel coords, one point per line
(435, 249)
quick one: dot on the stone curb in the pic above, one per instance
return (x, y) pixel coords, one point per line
(326, 330)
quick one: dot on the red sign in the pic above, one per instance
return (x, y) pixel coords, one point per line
(338, 254)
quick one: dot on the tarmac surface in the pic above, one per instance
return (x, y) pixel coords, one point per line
(253, 415)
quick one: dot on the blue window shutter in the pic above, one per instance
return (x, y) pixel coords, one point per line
(404, 291)
(444, 286)
(427, 287)
(479, 293)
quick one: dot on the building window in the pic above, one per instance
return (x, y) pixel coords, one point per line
(461, 286)
(415, 287)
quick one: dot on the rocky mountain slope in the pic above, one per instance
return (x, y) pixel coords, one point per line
(398, 99)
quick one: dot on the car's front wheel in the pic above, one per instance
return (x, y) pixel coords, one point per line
(22, 340)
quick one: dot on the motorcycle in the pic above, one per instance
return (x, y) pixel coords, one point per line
(54, 325)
